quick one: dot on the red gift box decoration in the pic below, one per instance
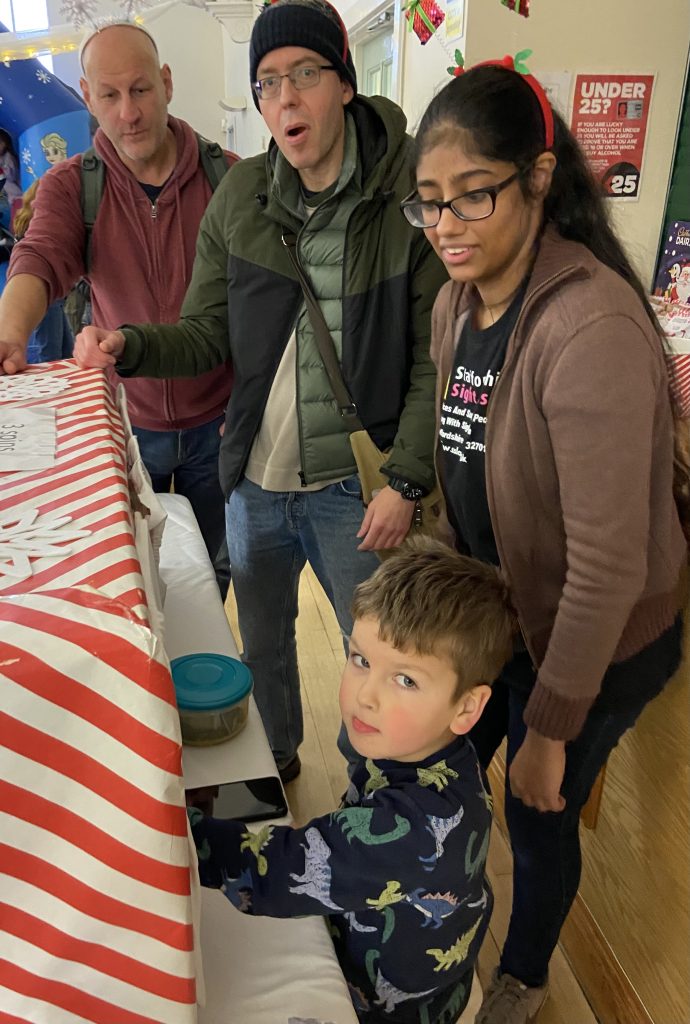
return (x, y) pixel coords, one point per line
(519, 6)
(424, 17)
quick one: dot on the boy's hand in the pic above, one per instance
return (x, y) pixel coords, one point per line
(536, 774)
(96, 346)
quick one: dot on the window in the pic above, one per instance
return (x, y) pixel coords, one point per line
(26, 16)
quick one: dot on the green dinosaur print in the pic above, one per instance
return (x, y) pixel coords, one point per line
(438, 775)
(453, 1008)
(255, 841)
(388, 923)
(457, 953)
(370, 960)
(390, 895)
(473, 865)
(377, 780)
(384, 903)
(356, 824)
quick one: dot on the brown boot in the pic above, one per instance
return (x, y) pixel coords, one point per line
(508, 1001)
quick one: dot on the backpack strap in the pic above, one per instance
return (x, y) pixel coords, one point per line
(213, 161)
(92, 185)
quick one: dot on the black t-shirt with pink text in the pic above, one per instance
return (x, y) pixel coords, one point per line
(478, 362)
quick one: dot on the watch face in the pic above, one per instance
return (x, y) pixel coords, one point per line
(412, 493)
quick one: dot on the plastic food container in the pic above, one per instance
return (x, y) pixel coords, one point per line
(212, 697)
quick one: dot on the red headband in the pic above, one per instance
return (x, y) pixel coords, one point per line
(517, 64)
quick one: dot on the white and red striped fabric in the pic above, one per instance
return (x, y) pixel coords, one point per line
(679, 369)
(95, 909)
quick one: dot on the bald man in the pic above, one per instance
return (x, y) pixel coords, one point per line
(142, 251)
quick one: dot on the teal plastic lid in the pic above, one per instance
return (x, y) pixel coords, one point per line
(206, 682)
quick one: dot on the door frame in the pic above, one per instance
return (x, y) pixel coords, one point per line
(359, 35)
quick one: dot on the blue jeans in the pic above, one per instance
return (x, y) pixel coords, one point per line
(546, 846)
(52, 339)
(271, 536)
(189, 460)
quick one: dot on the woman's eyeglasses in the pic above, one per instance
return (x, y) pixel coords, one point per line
(478, 204)
(305, 77)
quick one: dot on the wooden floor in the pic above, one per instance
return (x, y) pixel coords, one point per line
(323, 779)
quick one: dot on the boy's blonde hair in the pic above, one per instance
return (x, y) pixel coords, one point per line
(429, 599)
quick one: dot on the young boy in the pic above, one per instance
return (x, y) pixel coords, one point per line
(399, 869)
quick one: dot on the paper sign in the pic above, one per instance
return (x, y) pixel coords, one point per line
(455, 20)
(557, 85)
(609, 120)
(27, 439)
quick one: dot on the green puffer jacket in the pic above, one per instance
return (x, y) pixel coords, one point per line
(244, 300)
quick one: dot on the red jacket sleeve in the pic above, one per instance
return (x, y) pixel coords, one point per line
(53, 247)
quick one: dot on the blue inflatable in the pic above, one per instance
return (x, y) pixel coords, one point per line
(47, 121)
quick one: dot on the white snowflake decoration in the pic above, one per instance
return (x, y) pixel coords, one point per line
(132, 7)
(27, 535)
(79, 12)
(43, 76)
(26, 155)
(30, 386)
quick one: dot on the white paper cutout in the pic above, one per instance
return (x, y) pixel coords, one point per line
(24, 387)
(25, 535)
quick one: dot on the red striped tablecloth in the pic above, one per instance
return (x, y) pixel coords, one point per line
(95, 910)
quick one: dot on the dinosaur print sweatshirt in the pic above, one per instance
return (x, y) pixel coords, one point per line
(398, 871)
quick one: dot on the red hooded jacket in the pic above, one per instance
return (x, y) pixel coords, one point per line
(141, 264)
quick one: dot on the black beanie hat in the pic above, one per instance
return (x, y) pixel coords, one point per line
(308, 24)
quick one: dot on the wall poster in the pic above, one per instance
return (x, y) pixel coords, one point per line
(455, 20)
(610, 114)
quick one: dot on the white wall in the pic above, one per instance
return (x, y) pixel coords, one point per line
(191, 42)
(589, 36)
(606, 36)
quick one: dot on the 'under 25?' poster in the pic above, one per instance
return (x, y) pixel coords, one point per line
(610, 114)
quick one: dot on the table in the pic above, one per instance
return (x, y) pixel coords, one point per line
(257, 970)
(95, 910)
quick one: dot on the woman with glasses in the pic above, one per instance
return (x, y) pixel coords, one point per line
(556, 455)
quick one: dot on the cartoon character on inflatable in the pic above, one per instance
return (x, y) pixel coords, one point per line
(45, 119)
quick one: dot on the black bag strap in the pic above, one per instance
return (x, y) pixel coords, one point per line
(92, 185)
(213, 161)
(324, 342)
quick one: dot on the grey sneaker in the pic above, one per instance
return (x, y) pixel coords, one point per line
(508, 1001)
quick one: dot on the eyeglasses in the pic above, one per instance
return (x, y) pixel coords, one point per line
(478, 204)
(305, 77)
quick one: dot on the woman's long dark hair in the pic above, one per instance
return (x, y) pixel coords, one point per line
(494, 113)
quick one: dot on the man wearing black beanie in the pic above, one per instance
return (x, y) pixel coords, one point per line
(336, 170)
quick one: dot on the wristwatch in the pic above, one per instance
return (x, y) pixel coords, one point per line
(410, 492)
